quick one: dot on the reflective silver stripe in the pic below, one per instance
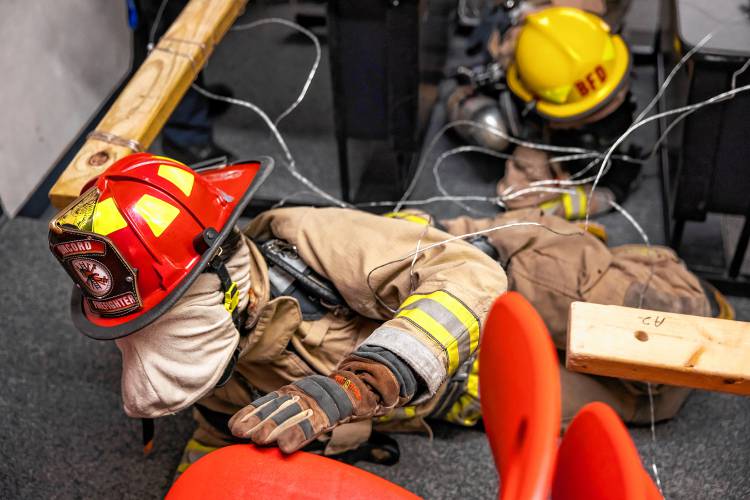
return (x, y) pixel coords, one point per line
(449, 321)
(419, 357)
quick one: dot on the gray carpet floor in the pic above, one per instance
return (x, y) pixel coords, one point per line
(64, 434)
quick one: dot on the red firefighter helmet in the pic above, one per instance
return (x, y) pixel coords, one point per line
(142, 232)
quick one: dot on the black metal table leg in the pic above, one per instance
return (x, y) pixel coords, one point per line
(739, 251)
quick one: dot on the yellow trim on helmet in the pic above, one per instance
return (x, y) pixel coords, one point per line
(107, 218)
(157, 213)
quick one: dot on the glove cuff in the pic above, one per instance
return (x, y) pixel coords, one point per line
(375, 379)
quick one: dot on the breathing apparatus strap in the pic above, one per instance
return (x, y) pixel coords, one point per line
(229, 287)
(217, 265)
(231, 299)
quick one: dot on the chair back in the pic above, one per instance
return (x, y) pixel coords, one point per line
(519, 384)
(244, 471)
(597, 459)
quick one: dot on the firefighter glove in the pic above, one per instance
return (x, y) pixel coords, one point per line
(296, 414)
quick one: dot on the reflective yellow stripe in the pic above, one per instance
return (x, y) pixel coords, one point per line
(463, 314)
(157, 213)
(412, 299)
(567, 199)
(407, 216)
(107, 218)
(558, 95)
(472, 383)
(567, 206)
(438, 332)
(181, 178)
(402, 413)
(458, 309)
(466, 411)
(189, 458)
(453, 414)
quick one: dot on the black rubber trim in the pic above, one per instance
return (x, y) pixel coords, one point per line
(312, 388)
(407, 381)
(115, 332)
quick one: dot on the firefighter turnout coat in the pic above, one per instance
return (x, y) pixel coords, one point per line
(427, 308)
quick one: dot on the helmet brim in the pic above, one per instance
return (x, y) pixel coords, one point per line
(239, 182)
(581, 109)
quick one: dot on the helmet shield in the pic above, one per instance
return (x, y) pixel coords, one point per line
(105, 280)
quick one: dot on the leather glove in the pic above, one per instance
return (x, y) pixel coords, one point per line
(296, 414)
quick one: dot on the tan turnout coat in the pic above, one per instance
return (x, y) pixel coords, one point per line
(552, 269)
(347, 246)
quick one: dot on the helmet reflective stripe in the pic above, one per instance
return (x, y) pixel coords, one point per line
(182, 179)
(157, 213)
(107, 218)
(558, 95)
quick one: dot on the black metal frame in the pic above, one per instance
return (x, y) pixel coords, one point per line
(728, 278)
(3, 217)
(375, 97)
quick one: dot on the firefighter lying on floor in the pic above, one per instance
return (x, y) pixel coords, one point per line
(552, 271)
(311, 326)
(305, 327)
(569, 74)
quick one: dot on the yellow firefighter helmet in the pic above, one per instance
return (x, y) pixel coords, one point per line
(568, 62)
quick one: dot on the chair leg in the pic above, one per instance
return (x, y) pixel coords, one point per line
(741, 248)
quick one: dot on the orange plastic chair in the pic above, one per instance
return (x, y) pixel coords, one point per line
(519, 384)
(246, 472)
(597, 459)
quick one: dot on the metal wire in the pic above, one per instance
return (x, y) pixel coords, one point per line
(635, 126)
(418, 251)
(155, 26)
(290, 164)
(313, 69)
(488, 128)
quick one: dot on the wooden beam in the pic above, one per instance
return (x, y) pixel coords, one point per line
(675, 349)
(144, 105)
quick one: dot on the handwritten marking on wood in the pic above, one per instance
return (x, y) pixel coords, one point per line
(676, 349)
